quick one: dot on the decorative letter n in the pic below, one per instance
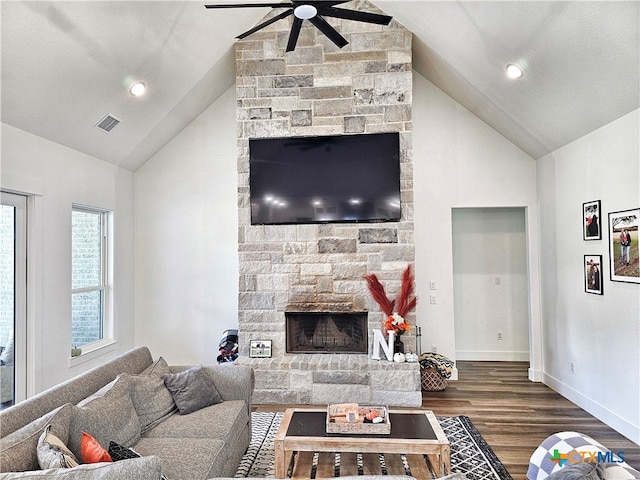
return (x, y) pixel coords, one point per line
(378, 341)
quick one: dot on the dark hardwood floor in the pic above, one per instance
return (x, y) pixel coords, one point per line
(513, 414)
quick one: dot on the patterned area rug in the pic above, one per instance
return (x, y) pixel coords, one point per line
(470, 454)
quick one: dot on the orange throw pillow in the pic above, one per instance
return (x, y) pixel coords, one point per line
(91, 451)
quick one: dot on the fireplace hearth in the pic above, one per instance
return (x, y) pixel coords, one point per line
(323, 332)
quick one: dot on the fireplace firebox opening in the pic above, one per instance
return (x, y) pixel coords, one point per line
(323, 332)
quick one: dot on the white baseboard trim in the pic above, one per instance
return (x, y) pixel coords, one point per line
(492, 356)
(535, 375)
(624, 427)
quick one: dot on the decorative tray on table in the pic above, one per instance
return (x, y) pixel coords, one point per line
(352, 418)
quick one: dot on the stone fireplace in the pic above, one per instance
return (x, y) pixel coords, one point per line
(318, 89)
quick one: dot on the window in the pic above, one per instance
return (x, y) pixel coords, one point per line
(90, 285)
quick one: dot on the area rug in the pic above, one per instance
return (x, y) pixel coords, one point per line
(470, 454)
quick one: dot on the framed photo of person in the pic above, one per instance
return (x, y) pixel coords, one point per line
(591, 220)
(260, 349)
(593, 274)
(624, 260)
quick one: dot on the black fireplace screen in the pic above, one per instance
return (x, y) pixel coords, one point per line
(322, 332)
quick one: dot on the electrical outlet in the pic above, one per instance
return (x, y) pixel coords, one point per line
(573, 367)
(432, 285)
(434, 348)
(499, 335)
(432, 299)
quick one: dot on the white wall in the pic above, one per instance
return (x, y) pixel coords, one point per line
(600, 334)
(59, 177)
(187, 239)
(490, 284)
(459, 161)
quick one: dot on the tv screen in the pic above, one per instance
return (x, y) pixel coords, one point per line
(341, 178)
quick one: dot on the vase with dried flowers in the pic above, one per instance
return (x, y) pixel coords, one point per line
(404, 304)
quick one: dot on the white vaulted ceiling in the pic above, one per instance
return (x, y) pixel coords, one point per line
(66, 64)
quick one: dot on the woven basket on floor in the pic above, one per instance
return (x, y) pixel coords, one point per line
(431, 380)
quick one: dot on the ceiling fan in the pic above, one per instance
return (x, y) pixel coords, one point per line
(312, 10)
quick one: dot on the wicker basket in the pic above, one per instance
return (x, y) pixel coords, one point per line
(431, 380)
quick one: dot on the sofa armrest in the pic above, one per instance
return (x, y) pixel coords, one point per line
(143, 468)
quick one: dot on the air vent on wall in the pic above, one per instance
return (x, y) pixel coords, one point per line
(108, 123)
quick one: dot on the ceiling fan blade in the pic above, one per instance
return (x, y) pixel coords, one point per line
(248, 5)
(266, 24)
(319, 3)
(329, 31)
(358, 16)
(293, 36)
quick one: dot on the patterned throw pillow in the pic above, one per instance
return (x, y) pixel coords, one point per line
(91, 451)
(192, 389)
(53, 453)
(118, 452)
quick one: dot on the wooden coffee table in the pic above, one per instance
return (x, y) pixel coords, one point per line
(414, 433)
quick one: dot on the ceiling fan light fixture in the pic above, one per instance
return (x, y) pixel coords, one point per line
(514, 71)
(137, 89)
(305, 11)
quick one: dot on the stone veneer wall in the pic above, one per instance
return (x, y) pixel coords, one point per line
(318, 89)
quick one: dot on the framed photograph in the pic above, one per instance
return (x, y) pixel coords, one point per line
(624, 260)
(591, 220)
(260, 349)
(593, 274)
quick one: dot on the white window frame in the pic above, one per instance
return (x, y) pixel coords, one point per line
(106, 287)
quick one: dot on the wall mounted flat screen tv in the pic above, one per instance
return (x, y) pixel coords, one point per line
(325, 179)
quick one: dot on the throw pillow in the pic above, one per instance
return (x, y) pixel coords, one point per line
(91, 451)
(192, 389)
(110, 416)
(151, 398)
(159, 367)
(118, 452)
(53, 453)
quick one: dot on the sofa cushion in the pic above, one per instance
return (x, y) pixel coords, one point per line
(108, 417)
(220, 421)
(18, 450)
(145, 468)
(226, 423)
(53, 453)
(192, 389)
(185, 458)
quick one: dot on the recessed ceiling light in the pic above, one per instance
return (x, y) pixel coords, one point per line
(514, 71)
(137, 89)
(305, 12)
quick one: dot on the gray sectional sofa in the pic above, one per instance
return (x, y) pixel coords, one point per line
(125, 401)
